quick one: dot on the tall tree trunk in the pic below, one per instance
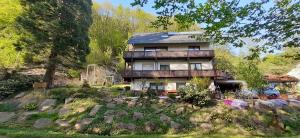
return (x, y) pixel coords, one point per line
(50, 69)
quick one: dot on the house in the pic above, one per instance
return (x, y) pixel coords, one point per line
(166, 61)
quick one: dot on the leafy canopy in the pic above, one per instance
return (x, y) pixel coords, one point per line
(274, 22)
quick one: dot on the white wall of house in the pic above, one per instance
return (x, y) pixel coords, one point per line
(174, 65)
(138, 84)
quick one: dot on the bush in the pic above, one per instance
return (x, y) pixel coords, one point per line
(73, 73)
(127, 88)
(30, 106)
(172, 96)
(14, 84)
(196, 92)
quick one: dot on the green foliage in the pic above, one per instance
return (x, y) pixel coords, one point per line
(172, 96)
(249, 72)
(280, 63)
(14, 84)
(196, 92)
(273, 21)
(111, 28)
(59, 31)
(7, 107)
(30, 106)
(9, 56)
(225, 60)
(73, 73)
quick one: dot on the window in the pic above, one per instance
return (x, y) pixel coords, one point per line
(164, 67)
(180, 85)
(194, 48)
(149, 48)
(148, 66)
(196, 66)
(157, 86)
(163, 48)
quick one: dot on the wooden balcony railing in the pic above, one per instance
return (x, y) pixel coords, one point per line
(171, 73)
(168, 54)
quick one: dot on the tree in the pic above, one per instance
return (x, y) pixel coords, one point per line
(59, 29)
(248, 71)
(112, 26)
(9, 56)
(276, 23)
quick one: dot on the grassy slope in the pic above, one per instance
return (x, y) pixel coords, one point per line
(245, 125)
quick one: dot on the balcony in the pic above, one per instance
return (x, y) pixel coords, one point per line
(168, 54)
(172, 73)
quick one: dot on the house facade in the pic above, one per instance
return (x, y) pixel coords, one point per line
(167, 61)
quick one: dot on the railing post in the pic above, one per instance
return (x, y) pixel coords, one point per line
(189, 64)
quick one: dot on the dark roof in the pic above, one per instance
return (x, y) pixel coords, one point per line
(165, 37)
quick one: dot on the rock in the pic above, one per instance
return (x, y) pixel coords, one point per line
(81, 109)
(180, 110)
(63, 111)
(121, 126)
(107, 99)
(109, 112)
(69, 100)
(129, 126)
(43, 123)
(62, 123)
(95, 109)
(121, 113)
(138, 116)
(206, 127)
(96, 130)
(47, 104)
(195, 119)
(131, 103)
(294, 103)
(149, 126)
(118, 100)
(24, 102)
(110, 105)
(162, 101)
(20, 95)
(82, 124)
(6, 116)
(158, 111)
(165, 119)
(24, 116)
(108, 119)
(175, 125)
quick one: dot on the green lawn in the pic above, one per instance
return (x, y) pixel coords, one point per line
(33, 133)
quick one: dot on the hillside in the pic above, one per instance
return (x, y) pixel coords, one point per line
(73, 111)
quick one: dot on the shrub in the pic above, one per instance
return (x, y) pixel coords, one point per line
(61, 93)
(172, 96)
(127, 88)
(30, 106)
(14, 84)
(73, 73)
(196, 92)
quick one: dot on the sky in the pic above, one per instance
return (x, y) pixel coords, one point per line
(126, 3)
